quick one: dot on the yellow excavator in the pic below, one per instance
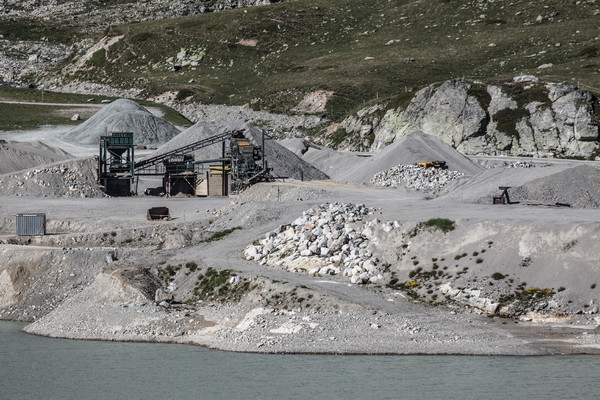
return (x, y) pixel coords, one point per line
(433, 164)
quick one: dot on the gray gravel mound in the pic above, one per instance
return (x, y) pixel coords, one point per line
(578, 186)
(75, 178)
(16, 156)
(481, 187)
(334, 163)
(283, 161)
(412, 148)
(124, 116)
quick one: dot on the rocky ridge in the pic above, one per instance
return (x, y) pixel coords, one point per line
(522, 117)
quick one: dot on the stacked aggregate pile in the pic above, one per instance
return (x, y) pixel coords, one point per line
(75, 178)
(333, 163)
(411, 149)
(416, 177)
(482, 187)
(16, 156)
(578, 186)
(281, 160)
(124, 116)
(326, 240)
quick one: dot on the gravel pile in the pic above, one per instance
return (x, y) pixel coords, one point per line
(328, 239)
(123, 116)
(70, 179)
(415, 177)
(16, 156)
(578, 186)
(413, 148)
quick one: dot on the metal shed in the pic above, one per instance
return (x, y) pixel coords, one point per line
(31, 224)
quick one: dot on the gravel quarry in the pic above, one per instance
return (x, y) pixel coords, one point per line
(333, 264)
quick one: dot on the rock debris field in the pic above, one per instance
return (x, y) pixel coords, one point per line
(74, 178)
(416, 177)
(327, 240)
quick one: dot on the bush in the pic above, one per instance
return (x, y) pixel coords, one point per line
(443, 224)
(191, 266)
(497, 276)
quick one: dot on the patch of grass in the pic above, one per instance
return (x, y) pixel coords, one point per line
(479, 91)
(214, 285)
(220, 235)
(444, 224)
(303, 46)
(32, 116)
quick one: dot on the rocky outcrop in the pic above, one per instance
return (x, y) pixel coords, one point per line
(521, 117)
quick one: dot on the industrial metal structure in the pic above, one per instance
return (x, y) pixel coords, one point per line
(237, 168)
(115, 163)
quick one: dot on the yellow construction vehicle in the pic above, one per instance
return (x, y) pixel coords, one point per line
(433, 164)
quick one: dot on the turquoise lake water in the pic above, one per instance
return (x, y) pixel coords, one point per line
(33, 367)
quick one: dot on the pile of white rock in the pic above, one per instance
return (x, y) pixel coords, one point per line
(415, 177)
(328, 239)
(520, 164)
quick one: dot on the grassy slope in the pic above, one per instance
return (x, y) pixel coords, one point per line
(25, 116)
(341, 45)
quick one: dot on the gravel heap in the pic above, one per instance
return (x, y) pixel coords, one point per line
(578, 186)
(123, 116)
(415, 177)
(68, 179)
(16, 156)
(413, 148)
(326, 240)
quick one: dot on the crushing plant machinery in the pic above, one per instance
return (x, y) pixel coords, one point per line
(241, 164)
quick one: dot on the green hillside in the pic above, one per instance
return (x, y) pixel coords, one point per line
(360, 50)
(271, 56)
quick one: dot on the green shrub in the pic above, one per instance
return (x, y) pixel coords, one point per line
(498, 276)
(192, 266)
(219, 235)
(443, 224)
